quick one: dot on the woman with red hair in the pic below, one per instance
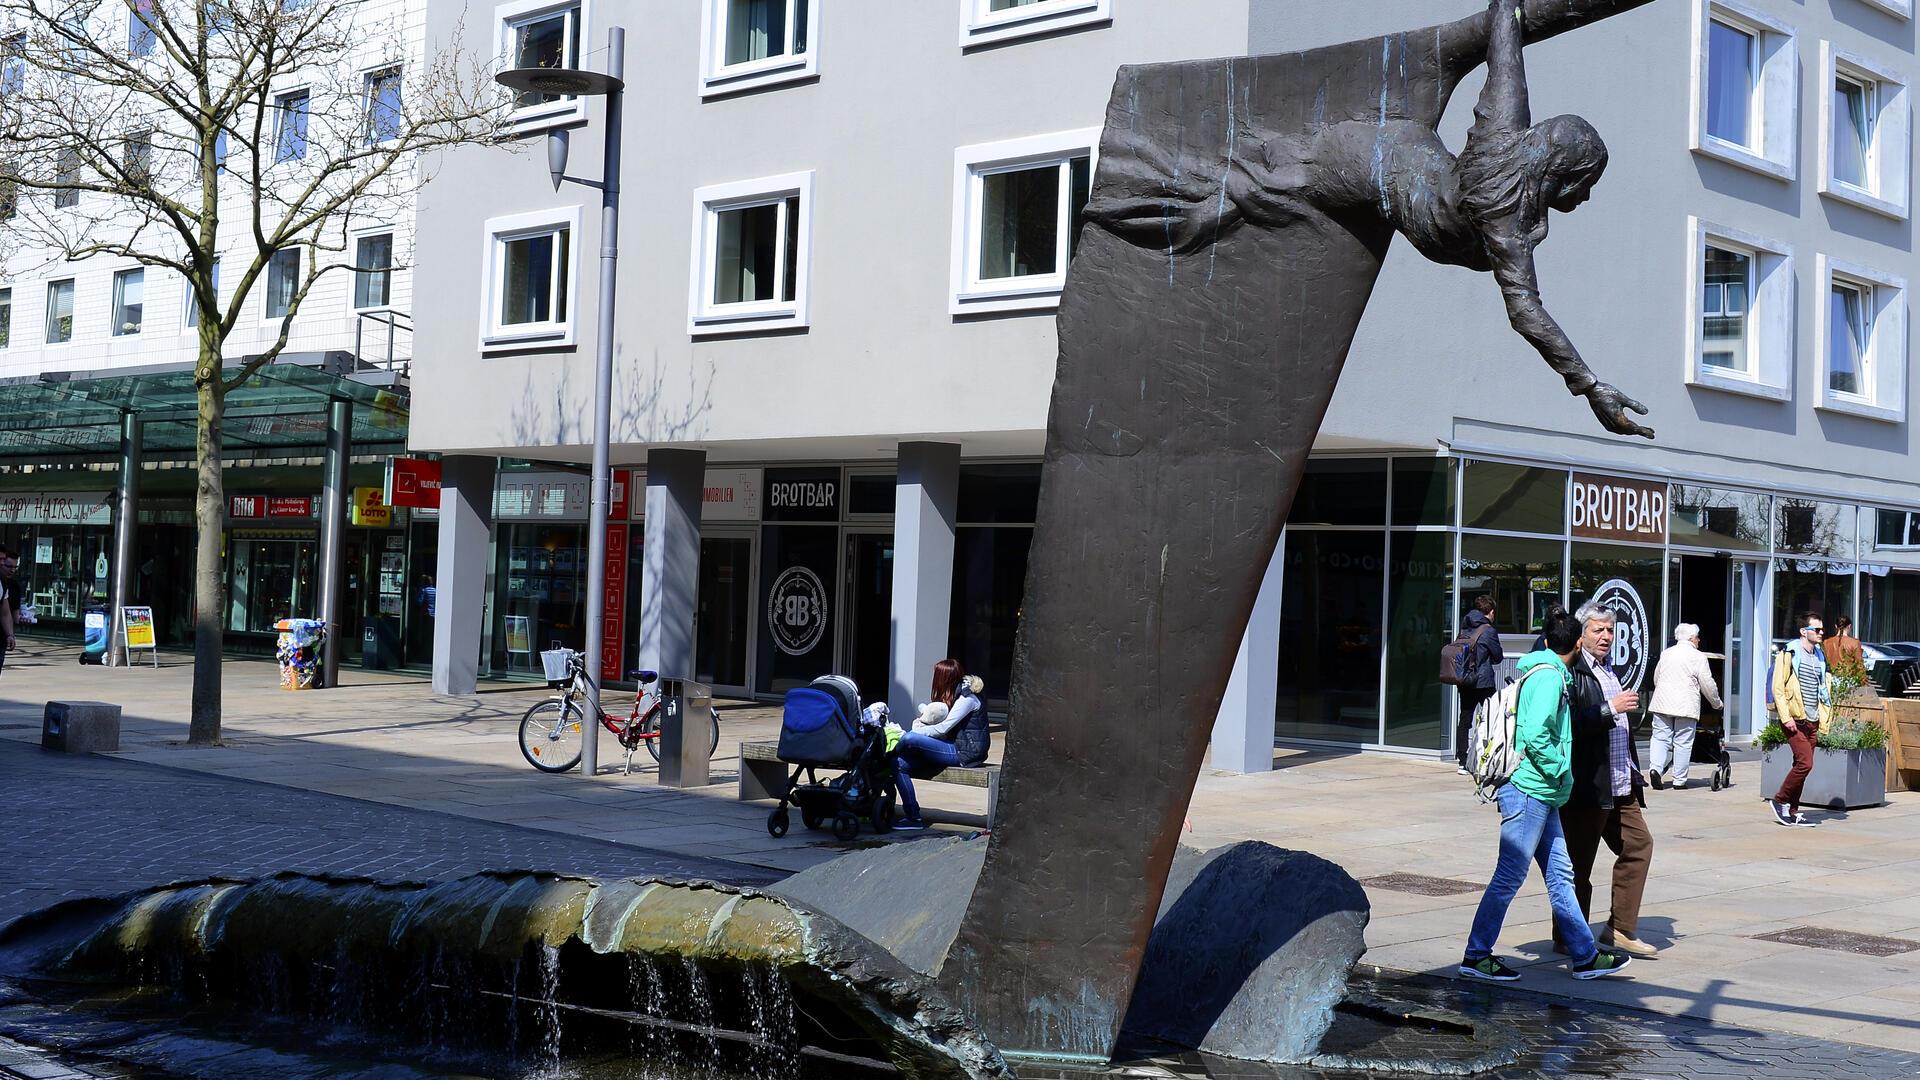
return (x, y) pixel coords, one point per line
(950, 730)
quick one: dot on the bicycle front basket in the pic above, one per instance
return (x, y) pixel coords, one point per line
(555, 661)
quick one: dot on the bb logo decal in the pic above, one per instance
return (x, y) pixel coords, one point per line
(1629, 656)
(797, 611)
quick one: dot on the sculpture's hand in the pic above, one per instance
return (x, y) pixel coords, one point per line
(1611, 406)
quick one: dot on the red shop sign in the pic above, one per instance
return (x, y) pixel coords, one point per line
(413, 482)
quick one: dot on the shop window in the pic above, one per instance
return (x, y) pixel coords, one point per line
(1017, 211)
(799, 610)
(1892, 531)
(1890, 611)
(541, 34)
(751, 44)
(385, 110)
(1419, 624)
(870, 494)
(1866, 132)
(1807, 527)
(989, 583)
(983, 22)
(1742, 289)
(1720, 518)
(129, 286)
(1803, 585)
(1341, 491)
(540, 586)
(1745, 75)
(751, 243)
(59, 312)
(999, 493)
(1514, 498)
(1423, 491)
(1330, 636)
(283, 282)
(373, 271)
(1629, 581)
(532, 263)
(1863, 334)
(290, 126)
(1523, 576)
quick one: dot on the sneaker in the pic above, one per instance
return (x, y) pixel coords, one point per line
(1780, 813)
(1491, 969)
(1604, 962)
(911, 824)
(1654, 776)
(1803, 821)
(1462, 770)
(1678, 785)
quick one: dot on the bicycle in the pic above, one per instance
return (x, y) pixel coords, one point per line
(550, 734)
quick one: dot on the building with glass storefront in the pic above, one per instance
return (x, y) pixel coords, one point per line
(838, 303)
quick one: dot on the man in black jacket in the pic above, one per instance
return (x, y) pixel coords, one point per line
(1606, 801)
(1483, 657)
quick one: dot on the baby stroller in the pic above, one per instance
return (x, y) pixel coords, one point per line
(822, 727)
(1708, 749)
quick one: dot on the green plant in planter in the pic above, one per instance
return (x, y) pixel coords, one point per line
(1838, 735)
(1774, 734)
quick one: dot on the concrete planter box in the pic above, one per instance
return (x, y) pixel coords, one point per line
(1841, 779)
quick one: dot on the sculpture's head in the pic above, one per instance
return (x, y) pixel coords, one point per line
(1570, 157)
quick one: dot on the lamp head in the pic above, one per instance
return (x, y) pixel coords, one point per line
(557, 155)
(565, 82)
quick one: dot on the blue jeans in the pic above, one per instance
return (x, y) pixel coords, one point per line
(1530, 832)
(919, 751)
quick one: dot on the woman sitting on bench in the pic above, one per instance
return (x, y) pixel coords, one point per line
(950, 730)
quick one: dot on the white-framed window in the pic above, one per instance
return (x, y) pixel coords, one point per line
(129, 289)
(6, 317)
(13, 63)
(752, 245)
(541, 33)
(373, 271)
(983, 22)
(531, 267)
(1866, 132)
(66, 169)
(1740, 322)
(1017, 208)
(59, 312)
(190, 317)
(383, 107)
(1861, 323)
(290, 125)
(750, 44)
(283, 283)
(1746, 71)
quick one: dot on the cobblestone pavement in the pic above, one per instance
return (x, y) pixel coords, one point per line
(93, 826)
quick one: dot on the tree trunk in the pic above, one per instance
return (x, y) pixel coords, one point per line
(210, 519)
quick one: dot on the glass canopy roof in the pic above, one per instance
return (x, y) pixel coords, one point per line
(280, 410)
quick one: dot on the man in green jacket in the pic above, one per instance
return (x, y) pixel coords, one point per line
(1529, 815)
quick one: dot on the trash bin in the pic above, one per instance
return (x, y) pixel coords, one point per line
(93, 636)
(299, 652)
(685, 734)
(379, 644)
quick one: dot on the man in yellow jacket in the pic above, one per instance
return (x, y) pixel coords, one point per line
(1803, 698)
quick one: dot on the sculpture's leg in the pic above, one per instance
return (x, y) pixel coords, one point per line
(1187, 397)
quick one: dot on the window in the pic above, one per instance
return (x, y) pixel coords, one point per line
(542, 34)
(532, 263)
(985, 21)
(752, 242)
(6, 317)
(128, 285)
(749, 44)
(66, 170)
(385, 117)
(59, 312)
(13, 63)
(193, 304)
(1016, 219)
(220, 150)
(1745, 73)
(9, 199)
(1863, 340)
(140, 34)
(290, 130)
(373, 271)
(1866, 133)
(283, 282)
(1740, 312)
(136, 157)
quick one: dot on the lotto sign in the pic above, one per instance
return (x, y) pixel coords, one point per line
(369, 510)
(797, 611)
(1615, 508)
(1630, 643)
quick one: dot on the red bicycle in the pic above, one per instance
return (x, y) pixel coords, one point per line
(550, 734)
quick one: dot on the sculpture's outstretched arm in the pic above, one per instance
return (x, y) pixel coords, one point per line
(1511, 253)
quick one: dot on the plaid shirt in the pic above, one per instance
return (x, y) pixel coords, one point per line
(1619, 751)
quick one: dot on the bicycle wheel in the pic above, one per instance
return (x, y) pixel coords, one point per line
(650, 729)
(550, 735)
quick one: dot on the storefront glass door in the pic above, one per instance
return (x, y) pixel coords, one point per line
(869, 607)
(271, 580)
(723, 618)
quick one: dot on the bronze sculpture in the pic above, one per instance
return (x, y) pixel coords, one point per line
(1239, 217)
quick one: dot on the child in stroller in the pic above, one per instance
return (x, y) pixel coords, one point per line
(822, 726)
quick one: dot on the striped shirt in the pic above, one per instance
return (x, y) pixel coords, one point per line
(1619, 752)
(1808, 666)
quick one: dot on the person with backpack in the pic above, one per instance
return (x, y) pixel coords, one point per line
(1803, 696)
(1530, 798)
(1471, 663)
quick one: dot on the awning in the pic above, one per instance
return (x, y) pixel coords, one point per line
(281, 410)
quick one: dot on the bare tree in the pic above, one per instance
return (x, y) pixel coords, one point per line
(253, 135)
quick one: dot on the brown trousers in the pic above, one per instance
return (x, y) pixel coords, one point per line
(1624, 829)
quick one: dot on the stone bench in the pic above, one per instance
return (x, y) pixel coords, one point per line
(764, 776)
(80, 727)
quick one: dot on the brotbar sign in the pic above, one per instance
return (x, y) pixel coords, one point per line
(1618, 508)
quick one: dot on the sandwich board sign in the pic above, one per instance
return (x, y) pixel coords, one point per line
(136, 628)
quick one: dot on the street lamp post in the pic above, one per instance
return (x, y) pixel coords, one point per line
(608, 84)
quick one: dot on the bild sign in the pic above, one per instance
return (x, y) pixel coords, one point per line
(1619, 508)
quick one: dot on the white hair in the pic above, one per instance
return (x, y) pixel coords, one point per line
(1594, 613)
(1683, 632)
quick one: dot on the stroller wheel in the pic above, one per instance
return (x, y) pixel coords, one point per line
(810, 819)
(880, 812)
(777, 823)
(845, 826)
(1716, 779)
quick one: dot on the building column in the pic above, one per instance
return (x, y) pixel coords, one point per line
(126, 526)
(333, 538)
(1243, 732)
(926, 497)
(460, 578)
(670, 571)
